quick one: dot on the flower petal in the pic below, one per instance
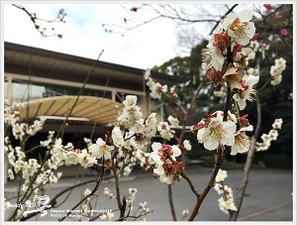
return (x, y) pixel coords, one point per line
(176, 151)
(211, 144)
(245, 15)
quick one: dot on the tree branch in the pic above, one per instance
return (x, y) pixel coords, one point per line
(247, 165)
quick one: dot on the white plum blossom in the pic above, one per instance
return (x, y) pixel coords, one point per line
(185, 213)
(216, 59)
(131, 112)
(156, 88)
(130, 101)
(242, 141)
(271, 136)
(216, 132)
(226, 205)
(106, 191)
(253, 71)
(277, 124)
(85, 159)
(226, 202)
(165, 131)
(187, 145)
(101, 149)
(10, 174)
(276, 71)
(106, 216)
(127, 171)
(117, 136)
(239, 27)
(173, 121)
(151, 120)
(221, 175)
(246, 92)
(166, 167)
(143, 208)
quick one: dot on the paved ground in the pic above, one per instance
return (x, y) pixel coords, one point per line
(268, 196)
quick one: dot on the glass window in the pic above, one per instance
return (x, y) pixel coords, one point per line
(22, 91)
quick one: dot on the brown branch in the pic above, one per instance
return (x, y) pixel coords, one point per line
(135, 217)
(218, 163)
(98, 183)
(185, 176)
(53, 202)
(247, 165)
(59, 18)
(210, 183)
(121, 204)
(171, 203)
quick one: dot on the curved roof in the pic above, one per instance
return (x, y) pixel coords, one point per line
(99, 110)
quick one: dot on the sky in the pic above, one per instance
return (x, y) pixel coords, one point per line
(83, 34)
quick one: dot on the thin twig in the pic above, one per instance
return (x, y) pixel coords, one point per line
(218, 22)
(194, 190)
(171, 203)
(98, 183)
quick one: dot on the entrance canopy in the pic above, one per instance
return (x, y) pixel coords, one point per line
(100, 110)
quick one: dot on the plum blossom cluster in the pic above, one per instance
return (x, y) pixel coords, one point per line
(131, 137)
(212, 132)
(157, 89)
(226, 203)
(226, 57)
(86, 207)
(271, 136)
(107, 216)
(276, 71)
(21, 131)
(258, 47)
(17, 159)
(167, 167)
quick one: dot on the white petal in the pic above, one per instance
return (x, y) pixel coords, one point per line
(229, 19)
(228, 140)
(241, 103)
(156, 158)
(156, 146)
(242, 40)
(234, 149)
(229, 127)
(251, 80)
(248, 128)
(107, 155)
(245, 15)
(201, 135)
(100, 142)
(251, 30)
(160, 171)
(176, 151)
(211, 144)
(244, 149)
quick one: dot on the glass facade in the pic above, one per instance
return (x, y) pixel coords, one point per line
(22, 91)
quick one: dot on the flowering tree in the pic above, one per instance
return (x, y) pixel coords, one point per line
(129, 143)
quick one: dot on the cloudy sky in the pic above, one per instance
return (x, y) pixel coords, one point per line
(83, 33)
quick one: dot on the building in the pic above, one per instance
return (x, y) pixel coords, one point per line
(48, 83)
(45, 77)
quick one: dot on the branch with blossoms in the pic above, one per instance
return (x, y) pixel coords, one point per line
(129, 143)
(41, 25)
(224, 62)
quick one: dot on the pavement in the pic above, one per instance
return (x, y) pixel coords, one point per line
(268, 195)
